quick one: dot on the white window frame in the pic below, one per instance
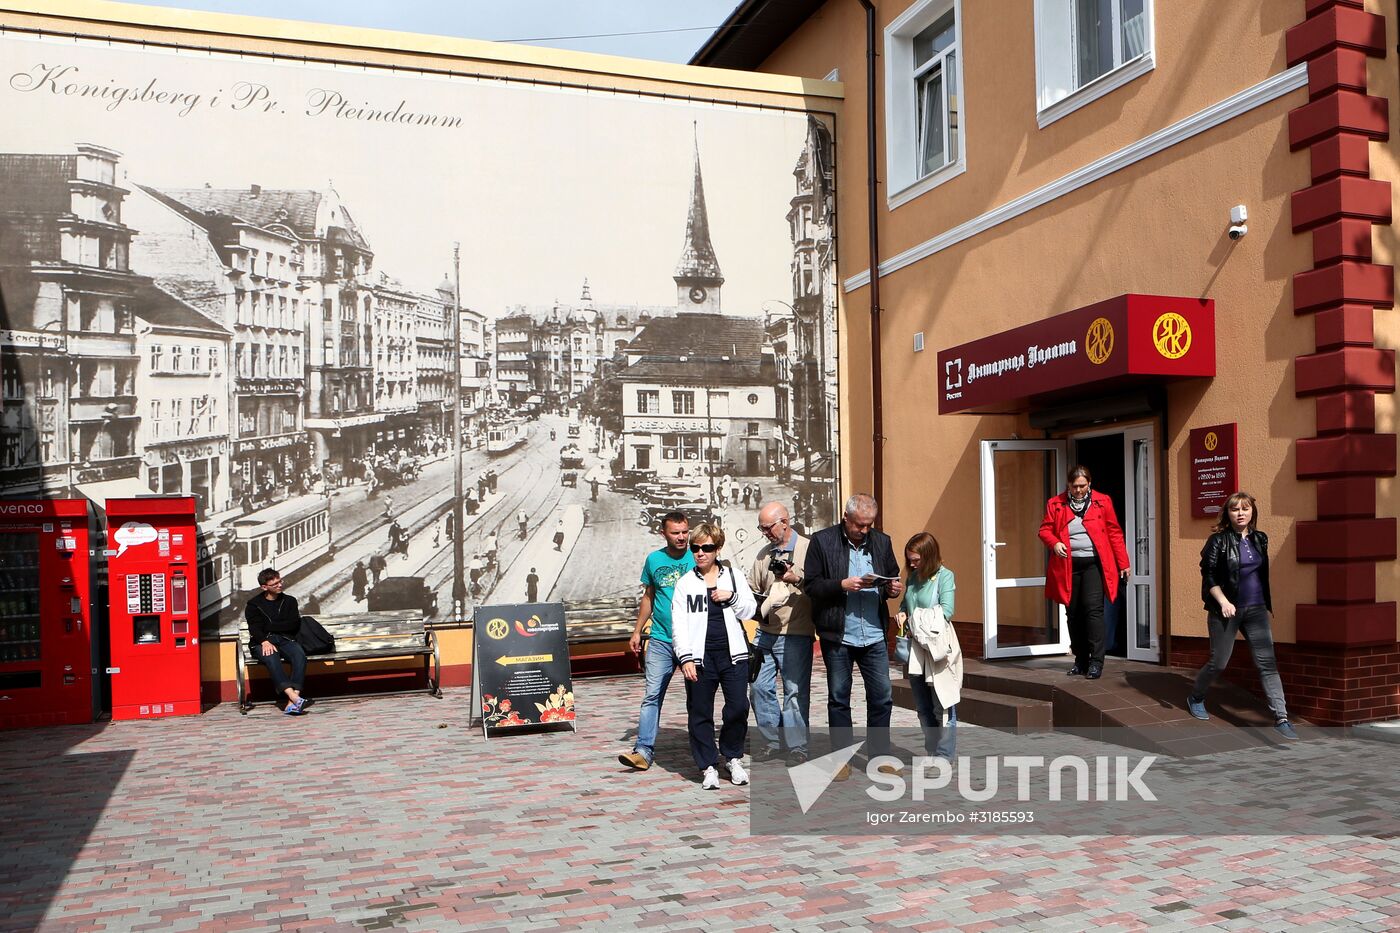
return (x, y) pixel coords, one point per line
(901, 99)
(1057, 60)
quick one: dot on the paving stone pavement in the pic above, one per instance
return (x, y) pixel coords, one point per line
(392, 814)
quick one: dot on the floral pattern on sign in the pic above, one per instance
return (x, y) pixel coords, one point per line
(559, 707)
(500, 712)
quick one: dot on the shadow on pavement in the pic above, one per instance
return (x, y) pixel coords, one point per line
(1229, 702)
(51, 797)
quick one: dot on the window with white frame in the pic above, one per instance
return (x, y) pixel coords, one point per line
(924, 100)
(936, 104)
(1086, 48)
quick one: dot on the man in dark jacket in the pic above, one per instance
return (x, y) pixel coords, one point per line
(273, 621)
(377, 566)
(849, 573)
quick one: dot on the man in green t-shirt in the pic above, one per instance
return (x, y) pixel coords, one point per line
(662, 569)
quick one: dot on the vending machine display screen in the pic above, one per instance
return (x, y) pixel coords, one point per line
(19, 597)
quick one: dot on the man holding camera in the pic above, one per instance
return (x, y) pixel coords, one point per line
(784, 636)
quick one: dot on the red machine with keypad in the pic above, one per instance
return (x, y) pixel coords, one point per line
(154, 606)
(46, 643)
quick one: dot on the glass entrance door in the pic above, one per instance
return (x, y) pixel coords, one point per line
(1018, 477)
(1139, 532)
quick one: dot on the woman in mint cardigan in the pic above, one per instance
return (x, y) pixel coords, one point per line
(929, 582)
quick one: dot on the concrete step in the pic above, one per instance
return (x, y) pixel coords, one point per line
(994, 710)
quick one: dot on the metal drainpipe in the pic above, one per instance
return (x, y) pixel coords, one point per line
(872, 185)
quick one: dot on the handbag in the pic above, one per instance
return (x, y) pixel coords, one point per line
(901, 645)
(313, 637)
(755, 652)
(755, 660)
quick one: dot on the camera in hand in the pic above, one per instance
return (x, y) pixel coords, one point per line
(779, 563)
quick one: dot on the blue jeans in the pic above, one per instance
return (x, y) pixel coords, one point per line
(874, 663)
(287, 650)
(791, 657)
(939, 741)
(658, 666)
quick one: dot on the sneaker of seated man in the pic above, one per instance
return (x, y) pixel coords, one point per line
(274, 619)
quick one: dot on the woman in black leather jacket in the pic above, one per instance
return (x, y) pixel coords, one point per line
(1235, 591)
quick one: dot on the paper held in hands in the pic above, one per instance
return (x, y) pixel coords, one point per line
(872, 580)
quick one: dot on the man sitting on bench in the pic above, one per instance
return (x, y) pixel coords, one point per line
(273, 621)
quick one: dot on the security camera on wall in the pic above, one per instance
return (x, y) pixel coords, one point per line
(1238, 215)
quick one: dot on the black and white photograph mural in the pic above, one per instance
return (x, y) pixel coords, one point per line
(236, 279)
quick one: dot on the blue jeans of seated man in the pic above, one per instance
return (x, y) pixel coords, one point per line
(940, 741)
(287, 650)
(788, 656)
(874, 663)
(659, 664)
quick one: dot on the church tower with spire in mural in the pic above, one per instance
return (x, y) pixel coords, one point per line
(698, 277)
(699, 388)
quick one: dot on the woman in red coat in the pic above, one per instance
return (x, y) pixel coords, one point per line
(1087, 559)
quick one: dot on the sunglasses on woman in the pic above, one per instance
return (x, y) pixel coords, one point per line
(707, 548)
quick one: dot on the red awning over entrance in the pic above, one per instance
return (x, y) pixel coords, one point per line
(1131, 339)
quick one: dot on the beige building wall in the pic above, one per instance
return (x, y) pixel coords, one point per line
(1158, 226)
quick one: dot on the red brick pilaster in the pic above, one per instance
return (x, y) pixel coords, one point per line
(1346, 630)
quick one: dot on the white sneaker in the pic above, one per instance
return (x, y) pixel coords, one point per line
(737, 774)
(711, 781)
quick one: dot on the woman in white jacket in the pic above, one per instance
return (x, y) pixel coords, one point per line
(708, 609)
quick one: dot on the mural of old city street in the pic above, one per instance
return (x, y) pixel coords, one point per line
(256, 306)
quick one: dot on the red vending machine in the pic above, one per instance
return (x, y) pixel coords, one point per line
(154, 607)
(46, 646)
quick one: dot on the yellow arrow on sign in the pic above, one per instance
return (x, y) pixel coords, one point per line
(526, 659)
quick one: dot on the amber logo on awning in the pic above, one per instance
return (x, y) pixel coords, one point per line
(1171, 335)
(1098, 342)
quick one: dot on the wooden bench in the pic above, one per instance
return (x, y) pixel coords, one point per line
(601, 620)
(359, 636)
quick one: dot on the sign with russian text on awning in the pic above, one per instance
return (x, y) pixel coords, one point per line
(1114, 343)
